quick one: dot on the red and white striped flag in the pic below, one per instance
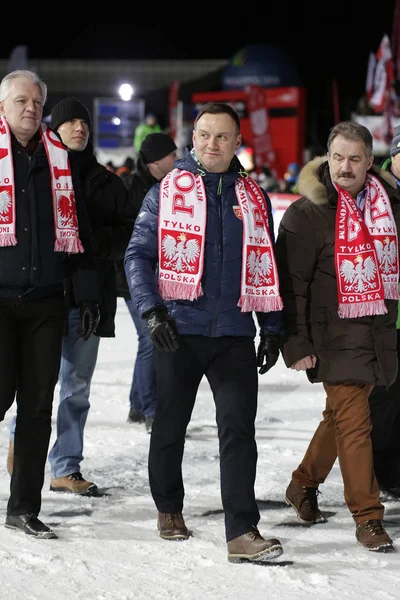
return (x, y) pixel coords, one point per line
(383, 79)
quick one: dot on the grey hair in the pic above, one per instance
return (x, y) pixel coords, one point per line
(21, 73)
(351, 130)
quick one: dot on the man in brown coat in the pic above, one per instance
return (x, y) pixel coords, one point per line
(337, 255)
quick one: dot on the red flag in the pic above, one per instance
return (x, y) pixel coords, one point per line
(383, 80)
(262, 144)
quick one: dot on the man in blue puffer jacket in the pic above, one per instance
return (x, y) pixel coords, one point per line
(199, 263)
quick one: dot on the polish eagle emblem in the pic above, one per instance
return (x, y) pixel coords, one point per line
(387, 253)
(180, 256)
(358, 275)
(5, 202)
(66, 210)
(259, 267)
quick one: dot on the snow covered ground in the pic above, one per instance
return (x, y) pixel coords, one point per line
(108, 547)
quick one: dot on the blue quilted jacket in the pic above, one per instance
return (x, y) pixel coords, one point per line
(216, 313)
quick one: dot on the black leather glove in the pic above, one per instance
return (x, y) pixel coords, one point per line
(268, 351)
(162, 330)
(90, 317)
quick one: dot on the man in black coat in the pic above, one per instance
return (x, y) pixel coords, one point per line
(156, 159)
(111, 220)
(44, 236)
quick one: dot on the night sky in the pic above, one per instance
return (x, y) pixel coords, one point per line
(332, 41)
(330, 44)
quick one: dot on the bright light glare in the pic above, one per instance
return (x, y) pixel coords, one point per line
(126, 91)
(116, 121)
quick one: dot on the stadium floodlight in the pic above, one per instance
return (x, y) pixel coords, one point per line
(126, 92)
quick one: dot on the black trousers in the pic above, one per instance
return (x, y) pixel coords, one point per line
(385, 419)
(30, 350)
(229, 364)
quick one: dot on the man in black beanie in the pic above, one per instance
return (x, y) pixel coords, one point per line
(69, 109)
(156, 158)
(111, 219)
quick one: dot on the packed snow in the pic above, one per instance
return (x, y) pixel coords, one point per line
(108, 547)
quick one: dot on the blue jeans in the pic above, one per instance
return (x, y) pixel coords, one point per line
(78, 361)
(143, 394)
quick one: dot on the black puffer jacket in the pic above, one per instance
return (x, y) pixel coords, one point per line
(137, 184)
(359, 350)
(111, 218)
(32, 269)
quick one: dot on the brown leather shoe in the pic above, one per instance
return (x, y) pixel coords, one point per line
(172, 526)
(373, 536)
(10, 458)
(73, 484)
(305, 503)
(252, 547)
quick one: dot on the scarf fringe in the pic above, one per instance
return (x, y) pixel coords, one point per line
(362, 309)
(171, 290)
(250, 303)
(391, 291)
(73, 246)
(8, 239)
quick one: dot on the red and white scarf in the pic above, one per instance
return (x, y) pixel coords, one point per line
(366, 252)
(181, 242)
(64, 209)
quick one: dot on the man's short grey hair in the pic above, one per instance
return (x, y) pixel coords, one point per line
(351, 130)
(21, 74)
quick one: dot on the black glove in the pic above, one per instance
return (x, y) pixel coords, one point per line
(90, 317)
(268, 351)
(162, 330)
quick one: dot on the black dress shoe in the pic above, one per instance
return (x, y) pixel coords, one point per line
(30, 525)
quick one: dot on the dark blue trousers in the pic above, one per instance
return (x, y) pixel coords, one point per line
(384, 406)
(229, 364)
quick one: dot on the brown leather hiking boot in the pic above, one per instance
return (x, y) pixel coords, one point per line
(252, 547)
(373, 536)
(172, 526)
(10, 458)
(305, 503)
(73, 484)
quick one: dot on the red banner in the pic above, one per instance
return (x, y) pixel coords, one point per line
(258, 114)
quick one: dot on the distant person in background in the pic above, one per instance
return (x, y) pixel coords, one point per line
(150, 125)
(290, 178)
(156, 158)
(384, 402)
(126, 168)
(111, 222)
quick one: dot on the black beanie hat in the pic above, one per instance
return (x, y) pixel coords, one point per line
(156, 146)
(66, 110)
(395, 147)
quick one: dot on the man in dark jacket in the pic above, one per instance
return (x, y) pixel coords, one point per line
(111, 219)
(44, 237)
(155, 159)
(338, 265)
(384, 402)
(199, 262)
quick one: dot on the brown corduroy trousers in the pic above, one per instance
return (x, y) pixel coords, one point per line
(344, 433)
